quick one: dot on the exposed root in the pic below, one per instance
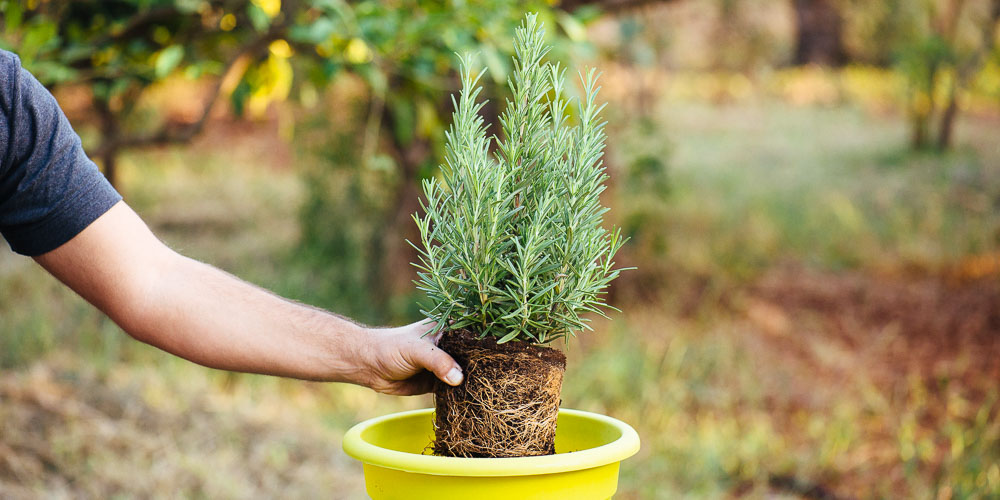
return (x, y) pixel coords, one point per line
(508, 404)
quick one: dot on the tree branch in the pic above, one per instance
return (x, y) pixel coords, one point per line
(172, 134)
(610, 6)
(141, 22)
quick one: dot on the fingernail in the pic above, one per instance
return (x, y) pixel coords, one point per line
(454, 377)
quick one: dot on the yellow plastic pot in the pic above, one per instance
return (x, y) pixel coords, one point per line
(589, 448)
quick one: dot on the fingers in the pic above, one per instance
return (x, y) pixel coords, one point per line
(439, 363)
(407, 361)
(418, 384)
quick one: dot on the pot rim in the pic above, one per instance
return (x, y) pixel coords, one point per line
(625, 446)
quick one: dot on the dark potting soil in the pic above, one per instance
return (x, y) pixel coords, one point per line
(461, 343)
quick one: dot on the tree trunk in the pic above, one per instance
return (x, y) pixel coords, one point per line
(109, 162)
(947, 124)
(397, 273)
(918, 130)
(819, 29)
(107, 153)
(390, 252)
(964, 73)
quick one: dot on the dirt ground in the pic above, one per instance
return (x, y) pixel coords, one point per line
(921, 354)
(65, 434)
(951, 327)
(918, 352)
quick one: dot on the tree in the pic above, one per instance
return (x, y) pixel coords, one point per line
(966, 66)
(819, 30)
(953, 39)
(120, 48)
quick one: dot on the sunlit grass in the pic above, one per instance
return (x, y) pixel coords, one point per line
(718, 411)
(759, 184)
(724, 406)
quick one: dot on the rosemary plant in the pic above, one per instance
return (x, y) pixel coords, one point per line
(512, 242)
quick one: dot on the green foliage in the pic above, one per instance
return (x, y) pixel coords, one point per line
(643, 187)
(347, 201)
(512, 242)
(259, 51)
(371, 130)
(120, 47)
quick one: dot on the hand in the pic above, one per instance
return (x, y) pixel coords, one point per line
(402, 361)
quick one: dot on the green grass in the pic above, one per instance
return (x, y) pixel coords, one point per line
(718, 413)
(757, 184)
(724, 408)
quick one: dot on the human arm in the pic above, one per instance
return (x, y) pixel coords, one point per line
(202, 314)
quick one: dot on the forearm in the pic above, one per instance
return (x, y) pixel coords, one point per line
(198, 312)
(209, 317)
(212, 318)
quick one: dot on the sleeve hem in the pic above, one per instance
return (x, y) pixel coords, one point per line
(63, 224)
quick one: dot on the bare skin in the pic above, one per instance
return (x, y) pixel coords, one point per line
(212, 318)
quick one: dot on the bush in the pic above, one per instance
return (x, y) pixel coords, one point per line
(512, 242)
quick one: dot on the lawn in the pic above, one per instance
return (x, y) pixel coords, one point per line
(816, 315)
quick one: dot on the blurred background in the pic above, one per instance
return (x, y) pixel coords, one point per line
(811, 189)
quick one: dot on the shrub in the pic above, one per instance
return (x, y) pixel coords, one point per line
(512, 242)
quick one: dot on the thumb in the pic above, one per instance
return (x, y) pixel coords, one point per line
(439, 362)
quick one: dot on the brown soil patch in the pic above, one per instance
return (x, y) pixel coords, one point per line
(508, 404)
(931, 326)
(920, 348)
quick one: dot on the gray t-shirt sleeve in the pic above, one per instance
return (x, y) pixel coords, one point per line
(49, 190)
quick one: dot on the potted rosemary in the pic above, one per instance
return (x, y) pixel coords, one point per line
(513, 256)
